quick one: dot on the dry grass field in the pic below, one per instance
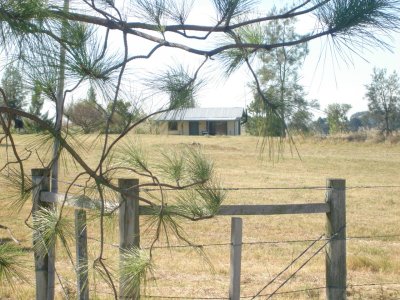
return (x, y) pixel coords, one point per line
(373, 211)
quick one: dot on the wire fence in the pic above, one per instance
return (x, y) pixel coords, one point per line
(321, 239)
(260, 188)
(311, 254)
(274, 242)
(349, 286)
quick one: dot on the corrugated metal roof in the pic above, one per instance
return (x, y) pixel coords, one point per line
(201, 114)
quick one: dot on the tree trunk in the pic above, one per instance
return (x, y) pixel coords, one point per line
(387, 128)
(56, 149)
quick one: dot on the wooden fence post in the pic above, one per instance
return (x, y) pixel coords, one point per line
(81, 254)
(336, 249)
(41, 183)
(129, 234)
(236, 258)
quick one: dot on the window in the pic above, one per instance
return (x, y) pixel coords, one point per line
(172, 125)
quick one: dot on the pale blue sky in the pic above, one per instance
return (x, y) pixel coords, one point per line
(325, 76)
(326, 79)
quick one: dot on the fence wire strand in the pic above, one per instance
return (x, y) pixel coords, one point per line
(324, 188)
(295, 260)
(172, 297)
(301, 267)
(287, 267)
(303, 253)
(278, 293)
(370, 238)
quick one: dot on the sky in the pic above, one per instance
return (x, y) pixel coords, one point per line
(326, 76)
(344, 81)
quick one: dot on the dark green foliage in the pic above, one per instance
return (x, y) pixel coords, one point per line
(35, 108)
(266, 124)
(337, 117)
(355, 124)
(201, 203)
(86, 58)
(233, 59)
(152, 11)
(125, 113)
(228, 9)
(278, 78)
(173, 166)
(301, 121)
(21, 18)
(19, 186)
(12, 84)
(51, 228)
(12, 264)
(134, 267)
(321, 126)
(355, 18)
(179, 11)
(179, 85)
(36, 100)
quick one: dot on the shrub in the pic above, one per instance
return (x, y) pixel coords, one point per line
(87, 115)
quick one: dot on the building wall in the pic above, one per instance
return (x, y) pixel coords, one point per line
(163, 128)
(233, 128)
(202, 127)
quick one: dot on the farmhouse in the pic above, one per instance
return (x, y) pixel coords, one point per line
(201, 121)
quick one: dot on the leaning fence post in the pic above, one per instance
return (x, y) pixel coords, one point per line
(129, 234)
(236, 258)
(336, 249)
(81, 254)
(40, 182)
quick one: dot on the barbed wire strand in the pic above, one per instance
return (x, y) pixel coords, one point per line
(295, 272)
(243, 188)
(374, 284)
(371, 237)
(293, 261)
(286, 268)
(324, 287)
(179, 297)
(250, 188)
(293, 291)
(322, 188)
(277, 293)
(104, 243)
(372, 187)
(277, 242)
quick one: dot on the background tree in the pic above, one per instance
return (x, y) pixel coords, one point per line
(278, 78)
(301, 121)
(14, 93)
(124, 114)
(35, 108)
(320, 126)
(363, 120)
(13, 86)
(87, 32)
(87, 113)
(37, 100)
(337, 117)
(383, 95)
